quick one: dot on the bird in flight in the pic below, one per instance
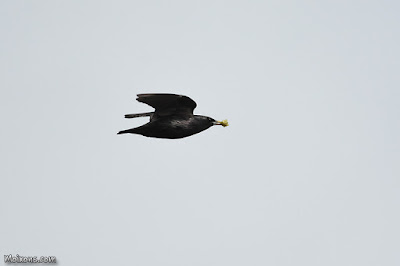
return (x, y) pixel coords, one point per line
(173, 117)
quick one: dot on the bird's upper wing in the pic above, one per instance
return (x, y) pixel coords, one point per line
(168, 104)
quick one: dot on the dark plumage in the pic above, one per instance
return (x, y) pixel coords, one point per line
(172, 119)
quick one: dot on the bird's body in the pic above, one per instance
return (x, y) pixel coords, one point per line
(173, 127)
(172, 119)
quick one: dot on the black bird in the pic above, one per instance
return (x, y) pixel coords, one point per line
(173, 117)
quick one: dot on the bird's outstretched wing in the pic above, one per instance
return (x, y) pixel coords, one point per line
(168, 104)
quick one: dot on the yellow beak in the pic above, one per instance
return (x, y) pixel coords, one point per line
(223, 123)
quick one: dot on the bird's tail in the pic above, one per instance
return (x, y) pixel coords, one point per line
(123, 132)
(132, 130)
(138, 115)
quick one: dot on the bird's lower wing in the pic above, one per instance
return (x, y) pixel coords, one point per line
(138, 115)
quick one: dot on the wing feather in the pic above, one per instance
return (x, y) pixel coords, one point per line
(168, 104)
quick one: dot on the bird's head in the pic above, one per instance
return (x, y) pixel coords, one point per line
(214, 122)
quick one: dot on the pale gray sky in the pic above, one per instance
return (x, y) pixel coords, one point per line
(307, 173)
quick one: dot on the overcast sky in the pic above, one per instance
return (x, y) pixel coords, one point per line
(307, 173)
